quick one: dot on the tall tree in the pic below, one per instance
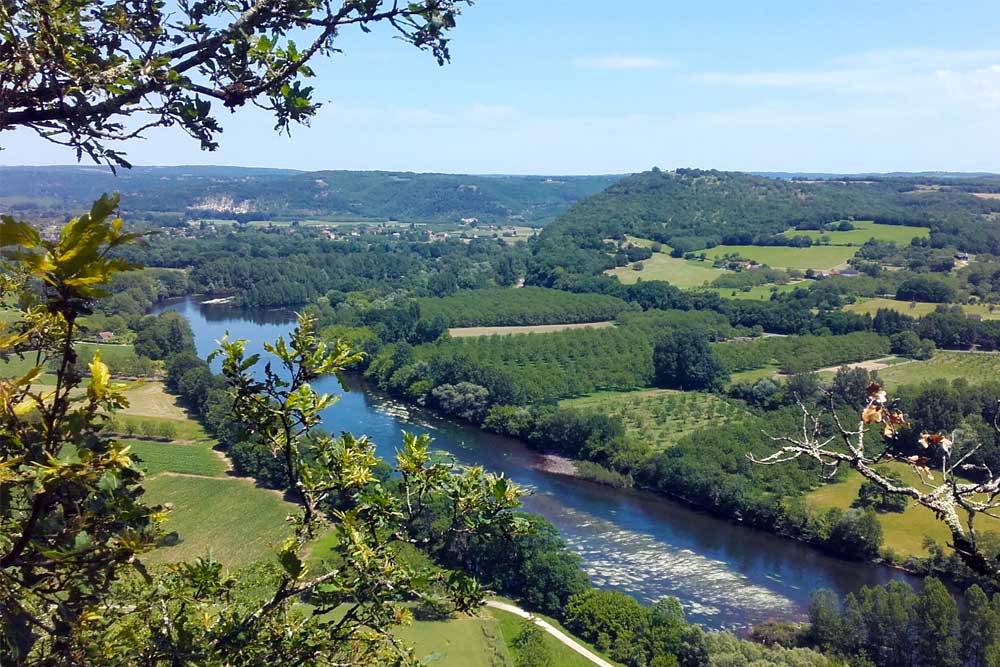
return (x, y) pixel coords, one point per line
(980, 627)
(936, 627)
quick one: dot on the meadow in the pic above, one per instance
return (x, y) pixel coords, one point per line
(661, 266)
(865, 230)
(785, 257)
(916, 308)
(904, 532)
(659, 417)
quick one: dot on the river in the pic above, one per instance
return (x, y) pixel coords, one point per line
(725, 575)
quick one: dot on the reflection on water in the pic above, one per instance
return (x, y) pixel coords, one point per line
(725, 575)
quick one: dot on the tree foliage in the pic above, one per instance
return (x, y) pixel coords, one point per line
(108, 70)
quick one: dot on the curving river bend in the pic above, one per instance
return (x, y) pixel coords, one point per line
(726, 576)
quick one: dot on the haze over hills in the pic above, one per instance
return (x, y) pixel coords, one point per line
(264, 194)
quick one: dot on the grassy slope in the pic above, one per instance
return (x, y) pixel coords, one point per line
(659, 416)
(864, 230)
(814, 257)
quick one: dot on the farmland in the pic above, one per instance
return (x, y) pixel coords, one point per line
(659, 416)
(785, 257)
(465, 332)
(916, 308)
(865, 230)
(680, 272)
(945, 365)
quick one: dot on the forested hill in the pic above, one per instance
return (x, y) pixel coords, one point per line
(690, 209)
(171, 193)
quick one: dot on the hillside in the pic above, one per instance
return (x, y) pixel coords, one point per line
(163, 194)
(690, 209)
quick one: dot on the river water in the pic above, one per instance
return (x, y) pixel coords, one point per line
(725, 575)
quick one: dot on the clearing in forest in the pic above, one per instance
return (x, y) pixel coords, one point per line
(818, 257)
(661, 266)
(865, 230)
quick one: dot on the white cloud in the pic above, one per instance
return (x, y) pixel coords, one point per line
(620, 62)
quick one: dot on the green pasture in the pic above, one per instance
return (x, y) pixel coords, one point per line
(680, 272)
(785, 257)
(904, 532)
(659, 417)
(187, 458)
(865, 230)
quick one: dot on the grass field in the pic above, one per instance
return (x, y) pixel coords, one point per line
(190, 459)
(226, 516)
(904, 532)
(660, 266)
(865, 230)
(659, 416)
(466, 641)
(915, 308)
(755, 374)
(784, 257)
(946, 365)
(465, 332)
(758, 292)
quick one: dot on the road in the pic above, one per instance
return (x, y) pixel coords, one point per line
(552, 630)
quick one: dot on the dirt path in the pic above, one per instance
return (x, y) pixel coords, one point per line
(870, 365)
(552, 630)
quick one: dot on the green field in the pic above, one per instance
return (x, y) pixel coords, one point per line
(946, 365)
(228, 517)
(660, 266)
(865, 230)
(659, 417)
(757, 292)
(904, 532)
(187, 458)
(917, 309)
(465, 641)
(784, 257)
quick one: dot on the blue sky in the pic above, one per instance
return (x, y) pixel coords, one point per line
(566, 87)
